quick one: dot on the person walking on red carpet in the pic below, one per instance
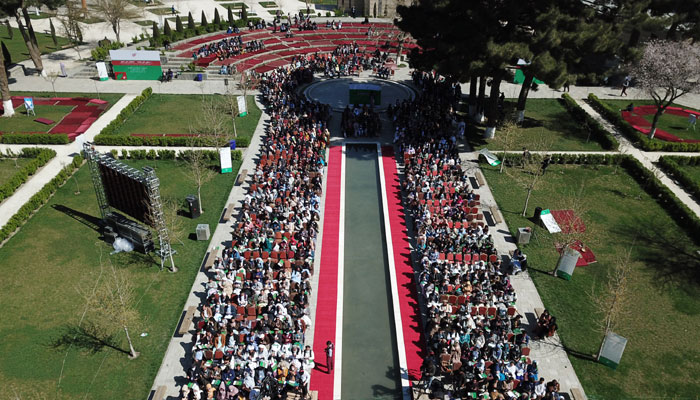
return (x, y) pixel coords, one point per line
(330, 357)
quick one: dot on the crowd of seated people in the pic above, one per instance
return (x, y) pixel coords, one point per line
(360, 121)
(473, 332)
(228, 47)
(250, 336)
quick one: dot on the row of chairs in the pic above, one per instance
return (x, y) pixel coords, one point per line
(468, 257)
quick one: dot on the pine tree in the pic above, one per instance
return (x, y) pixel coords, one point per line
(230, 15)
(244, 13)
(217, 18)
(156, 32)
(166, 29)
(190, 21)
(204, 22)
(53, 33)
(178, 25)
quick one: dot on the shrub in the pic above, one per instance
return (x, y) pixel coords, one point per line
(170, 141)
(672, 165)
(598, 132)
(36, 201)
(34, 138)
(40, 158)
(126, 112)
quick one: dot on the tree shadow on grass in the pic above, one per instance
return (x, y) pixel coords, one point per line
(86, 337)
(675, 262)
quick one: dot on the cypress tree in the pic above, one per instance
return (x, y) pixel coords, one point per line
(6, 55)
(178, 25)
(230, 15)
(156, 32)
(204, 20)
(217, 18)
(244, 13)
(190, 21)
(166, 29)
(53, 33)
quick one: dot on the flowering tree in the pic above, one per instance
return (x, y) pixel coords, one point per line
(667, 71)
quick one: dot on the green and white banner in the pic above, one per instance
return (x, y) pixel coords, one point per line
(549, 222)
(242, 106)
(225, 160)
(490, 157)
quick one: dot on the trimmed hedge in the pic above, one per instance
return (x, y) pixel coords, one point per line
(638, 138)
(34, 138)
(197, 31)
(41, 197)
(126, 112)
(170, 141)
(153, 154)
(605, 138)
(40, 158)
(683, 215)
(672, 165)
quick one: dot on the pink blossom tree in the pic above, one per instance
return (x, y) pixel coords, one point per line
(667, 70)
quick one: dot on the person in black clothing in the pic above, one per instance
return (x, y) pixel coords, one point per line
(545, 163)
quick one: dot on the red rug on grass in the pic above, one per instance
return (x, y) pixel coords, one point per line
(587, 256)
(638, 122)
(413, 340)
(326, 308)
(568, 221)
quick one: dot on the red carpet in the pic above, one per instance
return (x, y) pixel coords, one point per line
(638, 122)
(413, 340)
(587, 256)
(568, 221)
(326, 308)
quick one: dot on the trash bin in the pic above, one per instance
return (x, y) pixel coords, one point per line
(198, 78)
(193, 206)
(232, 143)
(523, 235)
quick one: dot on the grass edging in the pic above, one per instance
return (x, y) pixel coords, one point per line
(671, 165)
(638, 138)
(605, 138)
(683, 215)
(39, 199)
(40, 158)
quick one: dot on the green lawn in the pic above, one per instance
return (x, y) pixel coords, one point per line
(161, 11)
(18, 49)
(10, 166)
(673, 124)
(171, 113)
(544, 118)
(268, 4)
(23, 123)
(662, 359)
(692, 170)
(325, 2)
(53, 255)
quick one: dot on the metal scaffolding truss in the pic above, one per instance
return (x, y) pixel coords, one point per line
(149, 179)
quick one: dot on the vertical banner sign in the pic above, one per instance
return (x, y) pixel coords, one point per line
(102, 71)
(225, 160)
(136, 64)
(242, 106)
(549, 222)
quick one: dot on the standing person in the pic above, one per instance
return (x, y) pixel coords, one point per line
(692, 121)
(526, 158)
(625, 85)
(330, 357)
(566, 86)
(545, 163)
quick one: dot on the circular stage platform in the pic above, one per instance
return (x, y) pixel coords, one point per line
(335, 92)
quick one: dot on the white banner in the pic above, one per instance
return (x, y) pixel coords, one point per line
(549, 222)
(225, 160)
(134, 55)
(490, 157)
(102, 71)
(242, 106)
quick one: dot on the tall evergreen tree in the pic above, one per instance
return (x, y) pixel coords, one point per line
(166, 29)
(244, 12)
(190, 21)
(156, 32)
(230, 15)
(178, 25)
(217, 18)
(204, 19)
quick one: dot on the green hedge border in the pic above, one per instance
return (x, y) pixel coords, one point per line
(672, 166)
(39, 199)
(40, 158)
(605, 138)
(153, 154)
(107, 136)
(683, 215)
(34, 138)
(638, 138)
